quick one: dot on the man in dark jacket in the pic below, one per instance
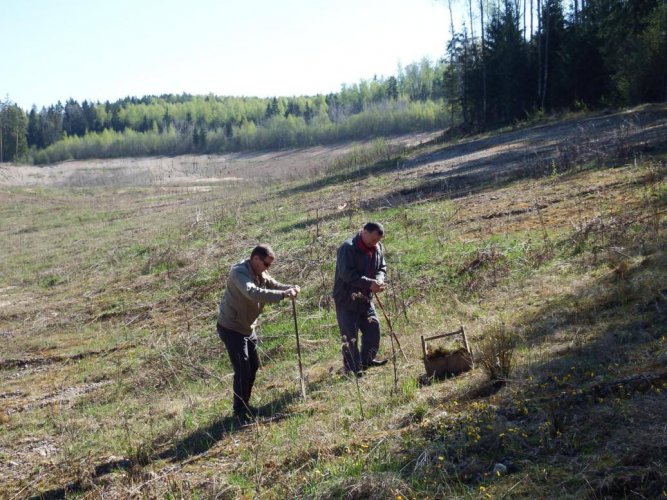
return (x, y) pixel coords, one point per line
(360, 272)
(249, 287)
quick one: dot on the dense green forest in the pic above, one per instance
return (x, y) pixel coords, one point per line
(509, 60)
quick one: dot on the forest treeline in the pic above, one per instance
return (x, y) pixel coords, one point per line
(506, 61)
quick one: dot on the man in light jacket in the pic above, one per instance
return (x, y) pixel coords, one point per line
(360, 272)
(249, 287)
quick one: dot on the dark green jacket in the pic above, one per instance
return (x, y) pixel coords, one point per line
(354, 272)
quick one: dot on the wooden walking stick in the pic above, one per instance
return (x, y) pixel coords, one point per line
(298, 350)
(391, 328)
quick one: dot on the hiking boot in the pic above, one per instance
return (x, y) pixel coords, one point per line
(374, 362)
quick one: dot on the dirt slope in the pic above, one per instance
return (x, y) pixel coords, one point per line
(187, 168)
(546, 145)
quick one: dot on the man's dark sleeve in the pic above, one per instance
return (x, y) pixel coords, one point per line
(381, 272)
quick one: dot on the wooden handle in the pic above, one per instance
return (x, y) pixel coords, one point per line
(457, 332)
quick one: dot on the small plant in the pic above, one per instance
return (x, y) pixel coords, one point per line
(50, 281)
(420, 411)
(348, 352)
(409, 388)
(496, 355)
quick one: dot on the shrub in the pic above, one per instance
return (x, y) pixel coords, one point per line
(496, 354)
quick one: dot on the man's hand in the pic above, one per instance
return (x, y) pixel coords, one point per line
(291, 292)
(377, 286)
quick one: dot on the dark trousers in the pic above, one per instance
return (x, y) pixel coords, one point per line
(243, 355)
(350, 322)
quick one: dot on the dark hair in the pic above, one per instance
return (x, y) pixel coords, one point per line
(263, 251)
(374, 227)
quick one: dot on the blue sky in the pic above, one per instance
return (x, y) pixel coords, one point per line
(105, 50)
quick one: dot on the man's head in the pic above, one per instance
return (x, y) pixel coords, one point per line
(261, 258)
(372, 233)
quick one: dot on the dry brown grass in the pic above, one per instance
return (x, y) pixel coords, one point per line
(496, 352)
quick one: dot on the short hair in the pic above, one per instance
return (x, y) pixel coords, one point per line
(263, 251)
(374, 227)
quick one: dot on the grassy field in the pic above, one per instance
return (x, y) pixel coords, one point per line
(549, 248)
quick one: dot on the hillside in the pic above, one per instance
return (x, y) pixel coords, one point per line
(546, 242)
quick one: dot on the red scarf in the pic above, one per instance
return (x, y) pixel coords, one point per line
(370, 251)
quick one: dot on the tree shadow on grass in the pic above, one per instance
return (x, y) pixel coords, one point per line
(537, 145)
(202, 440)
(474, 176)
(466, 179)
(471, 178)
(583, 383)
(605, 324)
(197, 443)
(399, 165)
(592, 408)
(465, 169)
(347, 174)
(446, 153)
